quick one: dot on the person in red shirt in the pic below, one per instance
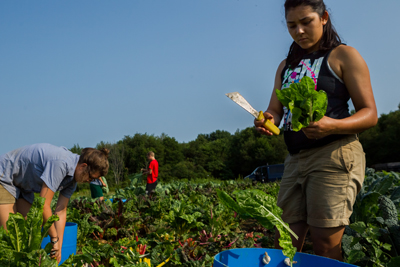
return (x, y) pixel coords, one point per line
(152, 173)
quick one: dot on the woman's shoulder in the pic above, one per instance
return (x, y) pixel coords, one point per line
(344, 53)
(281, 66)
(345, 57)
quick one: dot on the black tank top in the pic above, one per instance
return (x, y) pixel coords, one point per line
(315, 66)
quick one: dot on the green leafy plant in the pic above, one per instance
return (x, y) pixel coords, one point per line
(373, 237)
(183, 217)
(106, 188)
(183, 222)
(20, 245)
(304, 102)
(136, 179)
(366, 248)
(257, 204)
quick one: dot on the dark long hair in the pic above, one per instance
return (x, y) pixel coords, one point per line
(330, 38)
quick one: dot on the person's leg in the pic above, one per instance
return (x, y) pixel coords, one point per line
(300, 229)
(327, 242)
(335, 176)
(7, 206)
(292, 201)
(23, 206)
(152, 187)
(5, 210)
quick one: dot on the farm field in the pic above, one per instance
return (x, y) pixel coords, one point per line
(185, 224)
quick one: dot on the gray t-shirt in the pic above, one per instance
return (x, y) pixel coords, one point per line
(23, 171)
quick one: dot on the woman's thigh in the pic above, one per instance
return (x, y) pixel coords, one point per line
(7, 206)
(5, 210)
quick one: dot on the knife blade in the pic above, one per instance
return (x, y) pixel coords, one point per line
(241, 101)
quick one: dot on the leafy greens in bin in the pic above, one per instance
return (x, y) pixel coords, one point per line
(305, 103)
(257, 204)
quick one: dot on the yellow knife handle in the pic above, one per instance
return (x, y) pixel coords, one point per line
(268, 124)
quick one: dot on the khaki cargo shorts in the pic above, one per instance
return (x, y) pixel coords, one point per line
(5, 196)
(320, 185)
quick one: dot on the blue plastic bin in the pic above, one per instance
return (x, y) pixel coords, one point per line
(69, 241)
(112, 200)
(243, 257)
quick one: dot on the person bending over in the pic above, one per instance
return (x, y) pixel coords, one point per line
(45, 169)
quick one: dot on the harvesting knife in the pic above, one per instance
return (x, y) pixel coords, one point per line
(241, 101)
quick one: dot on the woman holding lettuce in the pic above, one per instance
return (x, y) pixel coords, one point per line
(325, 167)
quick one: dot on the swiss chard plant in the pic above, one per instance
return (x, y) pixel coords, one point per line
(253, 203)
(20, 245)
(105, 189)
(85, 227)
(304, 102)
(136, 179)
(183, 217)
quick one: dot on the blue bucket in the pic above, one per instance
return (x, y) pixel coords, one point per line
(69, 241)
(242, 257)
(112, 200)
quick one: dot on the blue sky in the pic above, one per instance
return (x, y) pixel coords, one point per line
(81, 72)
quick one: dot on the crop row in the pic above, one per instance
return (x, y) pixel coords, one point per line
(185, 224)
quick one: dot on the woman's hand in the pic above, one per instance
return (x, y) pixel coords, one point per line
(324, 127)
(260, 124)
(56, 252)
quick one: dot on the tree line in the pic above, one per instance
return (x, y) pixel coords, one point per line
(223, 155)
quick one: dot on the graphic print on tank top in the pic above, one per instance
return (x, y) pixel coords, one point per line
(306, 67)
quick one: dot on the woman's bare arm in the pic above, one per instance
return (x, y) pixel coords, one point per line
(351, 67)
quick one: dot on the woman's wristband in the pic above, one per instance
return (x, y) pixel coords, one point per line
(53, 242)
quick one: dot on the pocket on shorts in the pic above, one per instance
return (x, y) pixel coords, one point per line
(347, 154)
